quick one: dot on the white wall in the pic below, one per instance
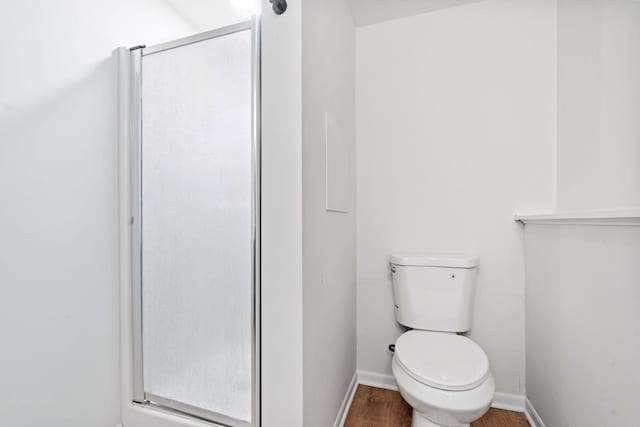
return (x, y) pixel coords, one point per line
(328, 73)
(282, 216)
(583, 338)
(455, 114)
(59, 311)
(582, 281)
(598, 103)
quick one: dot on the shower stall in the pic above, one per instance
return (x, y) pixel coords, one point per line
(192, 299)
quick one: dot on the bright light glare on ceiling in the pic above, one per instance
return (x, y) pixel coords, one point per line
(246, 7)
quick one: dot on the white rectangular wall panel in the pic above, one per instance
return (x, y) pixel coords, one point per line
(339, 174)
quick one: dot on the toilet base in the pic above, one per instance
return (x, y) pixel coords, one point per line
(418, 420)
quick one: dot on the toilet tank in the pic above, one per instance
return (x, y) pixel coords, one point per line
(434, 292)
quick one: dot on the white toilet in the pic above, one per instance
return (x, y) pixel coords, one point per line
(443, 376)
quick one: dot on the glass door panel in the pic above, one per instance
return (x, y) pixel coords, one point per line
(198, 213)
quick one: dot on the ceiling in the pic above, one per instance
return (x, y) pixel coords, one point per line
(366, 12)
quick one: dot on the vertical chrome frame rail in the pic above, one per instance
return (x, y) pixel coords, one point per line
(136, 224)
(139, 395)
(257, 207)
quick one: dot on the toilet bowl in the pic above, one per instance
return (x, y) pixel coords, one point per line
(444, 377)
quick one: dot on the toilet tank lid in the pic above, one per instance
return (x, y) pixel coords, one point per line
(434, 259)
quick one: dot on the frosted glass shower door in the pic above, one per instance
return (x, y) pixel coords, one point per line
(198, 209)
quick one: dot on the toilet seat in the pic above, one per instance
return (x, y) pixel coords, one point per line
(440, 360)
(442, 407)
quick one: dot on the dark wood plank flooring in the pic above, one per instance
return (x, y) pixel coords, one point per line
(376, 407)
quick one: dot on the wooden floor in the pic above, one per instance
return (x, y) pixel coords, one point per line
(376, 407)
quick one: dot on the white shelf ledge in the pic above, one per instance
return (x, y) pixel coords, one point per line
(606, 217)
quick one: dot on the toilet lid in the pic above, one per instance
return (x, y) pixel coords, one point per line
(441, 360)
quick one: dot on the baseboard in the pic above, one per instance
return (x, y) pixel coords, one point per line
(375, 379)
(508, 401)
(346, 402)
(532, 415)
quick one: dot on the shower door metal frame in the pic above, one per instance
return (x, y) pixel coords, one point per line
(140, 397)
